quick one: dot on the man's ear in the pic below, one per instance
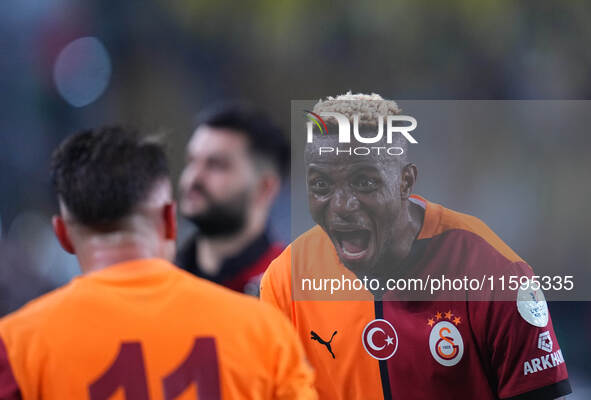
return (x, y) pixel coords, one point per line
(61, 232)
(269, 187)
(408, 180)
(170, 225)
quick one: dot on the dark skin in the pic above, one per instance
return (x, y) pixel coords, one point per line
(362, 203)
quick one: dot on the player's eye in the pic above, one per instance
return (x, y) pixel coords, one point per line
(217, 164)
(319, 186)
(365, 183)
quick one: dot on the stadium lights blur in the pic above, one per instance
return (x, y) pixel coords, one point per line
(82, 71)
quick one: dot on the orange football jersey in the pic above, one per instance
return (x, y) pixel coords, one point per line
(145, 329)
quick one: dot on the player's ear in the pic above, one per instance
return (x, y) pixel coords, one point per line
(269, 186)
(170, 226)
(408, 180)
(61, 232)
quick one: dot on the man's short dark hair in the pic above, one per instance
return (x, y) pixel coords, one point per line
(265, 138)
(102, 175)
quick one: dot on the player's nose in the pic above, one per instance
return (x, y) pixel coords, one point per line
(193, 174)
(344, 203)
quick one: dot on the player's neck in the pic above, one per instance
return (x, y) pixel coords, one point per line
(212, 251)
(407, 232)
(95, 254)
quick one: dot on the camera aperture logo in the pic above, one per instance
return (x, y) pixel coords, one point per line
(317, 120)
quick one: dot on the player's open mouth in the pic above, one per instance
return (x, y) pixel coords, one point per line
(353, 244)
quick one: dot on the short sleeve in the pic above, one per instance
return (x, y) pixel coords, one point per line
(525, 355)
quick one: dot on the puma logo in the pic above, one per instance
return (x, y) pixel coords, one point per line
(324, 342)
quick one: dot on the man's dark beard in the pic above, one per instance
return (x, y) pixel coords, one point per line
(222, 219)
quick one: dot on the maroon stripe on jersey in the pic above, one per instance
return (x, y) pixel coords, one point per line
(9, 389)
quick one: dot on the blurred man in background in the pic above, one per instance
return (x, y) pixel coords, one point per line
(235, 161)
(133, 323)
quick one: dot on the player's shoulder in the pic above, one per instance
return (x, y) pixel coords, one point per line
(255, 319)
(313, 245)
(443, 222)
(34, 315)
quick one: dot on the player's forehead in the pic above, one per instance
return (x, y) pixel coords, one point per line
(333, 156)
(209, 141)
(345, 167)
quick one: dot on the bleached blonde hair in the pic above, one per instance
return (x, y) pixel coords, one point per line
(368, 106)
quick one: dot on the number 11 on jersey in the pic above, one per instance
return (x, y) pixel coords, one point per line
(128, 372)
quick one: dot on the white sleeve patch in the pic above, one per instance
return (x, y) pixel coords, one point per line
(532, 306)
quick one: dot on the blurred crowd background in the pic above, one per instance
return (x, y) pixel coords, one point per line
(67, 65)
